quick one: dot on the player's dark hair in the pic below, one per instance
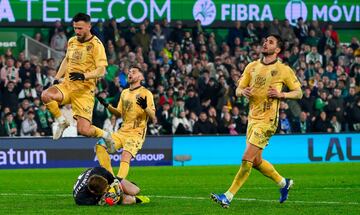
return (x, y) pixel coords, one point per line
(136, 67)
(279, 41)
(81, 17)
(97, 184)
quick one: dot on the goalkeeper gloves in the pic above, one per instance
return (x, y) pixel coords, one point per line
(109, 198)
(77, 76)
(117, 186)
(142, 102)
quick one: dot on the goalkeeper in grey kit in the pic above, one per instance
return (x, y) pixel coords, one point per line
(97, 186)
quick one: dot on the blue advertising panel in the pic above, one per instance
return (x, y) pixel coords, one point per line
(313, 148)
(75, 152)
(210, 150)
(228, 150)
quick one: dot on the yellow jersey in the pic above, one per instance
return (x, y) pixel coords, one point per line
(84, 57)
(134, 117)
(260, 77)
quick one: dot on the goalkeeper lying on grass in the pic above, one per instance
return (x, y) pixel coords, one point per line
(97, 186)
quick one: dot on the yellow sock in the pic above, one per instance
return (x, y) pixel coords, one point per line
(97, 132)
(269, 171)
(241, 177)
(104, 158)
(124, 169)
(54, 109)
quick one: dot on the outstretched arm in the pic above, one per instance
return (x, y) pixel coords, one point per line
(114, 111)
(108, 106)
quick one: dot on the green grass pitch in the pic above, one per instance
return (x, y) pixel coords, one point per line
(319, 189)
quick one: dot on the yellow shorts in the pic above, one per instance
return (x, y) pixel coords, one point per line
(130, 142)
(259, 134)
(82, 101)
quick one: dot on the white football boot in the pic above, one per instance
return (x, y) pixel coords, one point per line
(109, 142)
(59, 127)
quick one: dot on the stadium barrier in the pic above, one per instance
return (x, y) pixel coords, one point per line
(159, 151)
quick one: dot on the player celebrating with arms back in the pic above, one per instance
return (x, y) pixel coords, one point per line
(136, 106)
(84, 63)
(261, 83)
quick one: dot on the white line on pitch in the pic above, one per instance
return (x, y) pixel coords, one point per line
(260, 200)
(194, 198)
(258, 188)
(305, 188)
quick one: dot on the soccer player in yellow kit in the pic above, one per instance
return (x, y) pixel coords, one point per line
(136, 106)
(84, 63)
(262, 83)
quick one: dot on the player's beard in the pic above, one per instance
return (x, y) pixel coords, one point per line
(81, 38)
(268, 53)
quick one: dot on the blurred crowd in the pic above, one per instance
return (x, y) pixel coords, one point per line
(192, 73)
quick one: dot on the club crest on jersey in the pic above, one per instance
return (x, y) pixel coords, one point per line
(89, 47)
(273, 72)
(77, 55)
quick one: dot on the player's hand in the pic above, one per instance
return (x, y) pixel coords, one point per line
(56, 81)
(247, 92)
(142, 102)
(102, 101)
(273, 93)
(77, 76)
(117, 186)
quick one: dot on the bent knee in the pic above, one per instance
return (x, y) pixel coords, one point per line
(51, 94)
(136, 191)
(133, 191)
(45, 97)
(257, 162)
(84, 132)
(249, 158)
